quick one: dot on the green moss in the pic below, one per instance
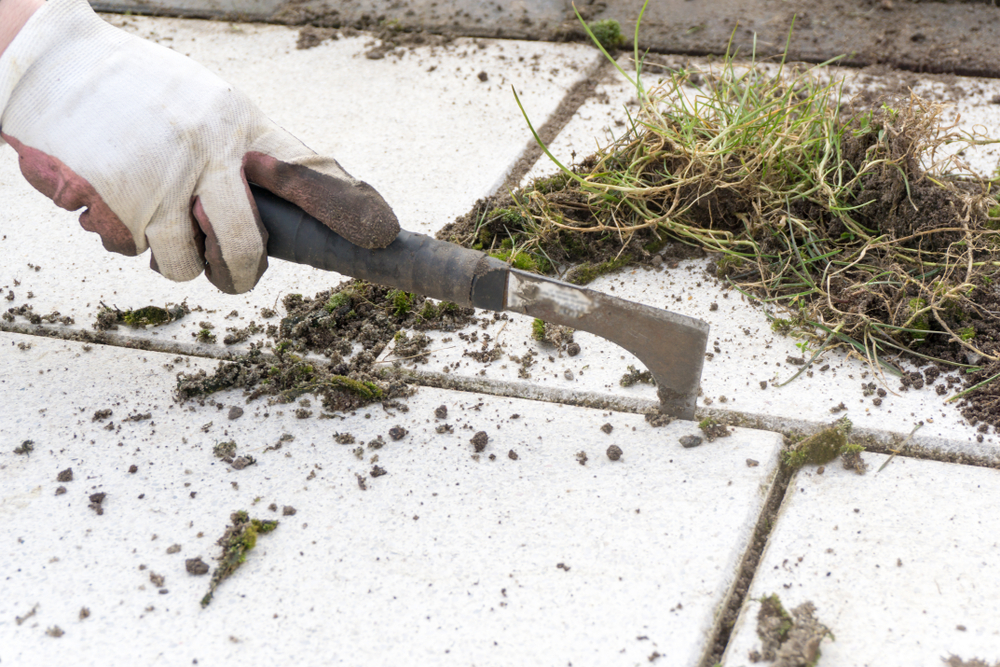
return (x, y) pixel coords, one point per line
(538, 329)
(780, 326)
(728, 265)
(205, 336)
(585, 273)
(400, 302)
(608, 34)
(521, 260)
(920, 322)
(148, 316)
(240, 537)
(337, 300)
(25, 447)
(140, 318)
(820, 448)
(363, 389)
(548, 184)
(967, 334)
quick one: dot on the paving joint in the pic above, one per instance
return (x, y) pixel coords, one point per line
(926, 448)
(572, 100)
(718, 638)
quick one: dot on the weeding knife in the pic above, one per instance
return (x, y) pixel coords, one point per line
(671, 346)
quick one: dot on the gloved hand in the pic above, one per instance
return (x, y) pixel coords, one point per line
(159, 150)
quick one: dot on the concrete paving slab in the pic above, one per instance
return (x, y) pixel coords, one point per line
(445, 559)
(418, 124)
(900, 564)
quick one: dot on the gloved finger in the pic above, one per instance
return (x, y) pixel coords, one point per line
(318, 185)
(235, 240)
(72, 192)
(184, 272)
(176, 242)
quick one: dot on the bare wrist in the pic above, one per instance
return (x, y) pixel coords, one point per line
(13, 15)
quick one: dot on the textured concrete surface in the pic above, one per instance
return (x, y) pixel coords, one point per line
(450, 557)
(547, 558)
(900, 564)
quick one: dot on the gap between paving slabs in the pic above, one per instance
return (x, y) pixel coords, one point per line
(586, 552)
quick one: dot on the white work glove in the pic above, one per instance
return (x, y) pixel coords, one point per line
(159, 150)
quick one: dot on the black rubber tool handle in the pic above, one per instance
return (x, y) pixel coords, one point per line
(413, 262)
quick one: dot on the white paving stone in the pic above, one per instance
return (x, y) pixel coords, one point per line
(419, 126)
(901, 565)
(444, 560)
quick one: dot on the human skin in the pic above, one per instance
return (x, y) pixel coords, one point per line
(13, 15)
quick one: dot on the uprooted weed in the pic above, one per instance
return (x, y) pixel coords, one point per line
(861, 229)
(344, 329)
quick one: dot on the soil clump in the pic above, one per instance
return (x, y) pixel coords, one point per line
(327, 345)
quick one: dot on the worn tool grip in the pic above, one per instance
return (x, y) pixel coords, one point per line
(413, 262)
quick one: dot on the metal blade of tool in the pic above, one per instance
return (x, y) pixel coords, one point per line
(671, 346)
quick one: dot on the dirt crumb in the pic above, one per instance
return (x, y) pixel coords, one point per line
(713, 429)
(788, 640)
(479, 441)
(512, 455)
(97, 502)
(614, 452)
(65, 475)
(441, 412)
(196, 566)
(690, 441)
(657, 419)
(581, 458)
(607, 428)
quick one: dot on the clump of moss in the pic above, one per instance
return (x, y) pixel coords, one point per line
(237, 541)
(538, 329)
(608, 34)
(139, 318)
(918, 320)
(204, 336)
(820, 448)
(519, 260)
(343, 331)
(713, 428)
(587, 272)
(25, 447)
(400, 302)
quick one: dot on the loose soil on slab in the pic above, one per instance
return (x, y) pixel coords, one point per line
(328, 344)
